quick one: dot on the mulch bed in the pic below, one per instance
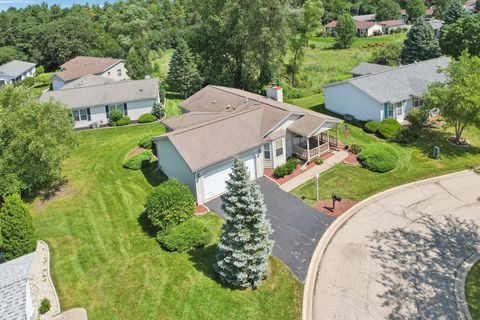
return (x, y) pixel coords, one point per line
(325, 207)
(201, 209)
(135, 151)
(352, 160)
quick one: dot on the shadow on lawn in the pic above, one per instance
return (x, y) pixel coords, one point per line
(439, 138)
(146, 225)
(153, 174)
(419, 268)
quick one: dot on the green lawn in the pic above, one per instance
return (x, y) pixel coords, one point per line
(105, 260)
(324, 64)
(357, 183)
(472, 288)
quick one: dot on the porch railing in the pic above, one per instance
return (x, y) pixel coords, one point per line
(312, 153)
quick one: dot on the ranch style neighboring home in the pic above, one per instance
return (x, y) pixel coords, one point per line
(15, 71)
(390, 26)
(222, 123)
(81, 66)
(92, 99)
(386, 94)
(364, 28)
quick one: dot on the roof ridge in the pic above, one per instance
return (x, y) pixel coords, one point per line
(102, 84)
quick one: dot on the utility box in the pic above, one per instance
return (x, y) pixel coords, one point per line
(436, 153)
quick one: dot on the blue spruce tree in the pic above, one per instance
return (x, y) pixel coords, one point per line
(244, 248)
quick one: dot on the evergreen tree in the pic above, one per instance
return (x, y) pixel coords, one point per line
(387, 10)
(137, 63)
(16, 227)
(345, 31)
(415, 9)
(244, 248)
(420, 44)
(183, 75)
(454, 11)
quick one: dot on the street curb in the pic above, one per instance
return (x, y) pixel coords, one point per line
(310, 280)
(459, 287)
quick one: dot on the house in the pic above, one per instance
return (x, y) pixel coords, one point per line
(81, 66)
(368, 68)
(16, 301)
(386, 94)
(92, 98)
(391, 26)
(470, 6)
(220, 123)
(437, 26)
(364, 28)
(365, 17)
(15, 71)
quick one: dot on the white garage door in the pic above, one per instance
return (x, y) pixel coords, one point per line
(214, 180)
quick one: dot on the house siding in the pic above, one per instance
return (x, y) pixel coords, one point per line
(112, 72)
(344, 98)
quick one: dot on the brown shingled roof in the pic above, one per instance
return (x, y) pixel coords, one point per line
(81, 66)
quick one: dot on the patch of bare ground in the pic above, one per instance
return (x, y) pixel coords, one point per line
(56, 191)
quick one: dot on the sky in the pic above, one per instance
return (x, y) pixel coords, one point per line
(5, 4)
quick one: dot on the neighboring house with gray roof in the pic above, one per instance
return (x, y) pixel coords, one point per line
(386, 94)
(437, 26)
(368, 68)
(15, 71)
(221, 123)
(92, 99)
(15, 291)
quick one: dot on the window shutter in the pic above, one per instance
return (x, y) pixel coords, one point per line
(107, 112)
(89, 117)
(125, 111)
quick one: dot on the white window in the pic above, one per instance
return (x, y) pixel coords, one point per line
(119, 72)
(417, 102)
(266, 151)
(80, 114)
(399, 108)
(278, 148)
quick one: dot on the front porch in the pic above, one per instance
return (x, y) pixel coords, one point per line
(316, 145)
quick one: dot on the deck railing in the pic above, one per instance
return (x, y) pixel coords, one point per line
(312, 153)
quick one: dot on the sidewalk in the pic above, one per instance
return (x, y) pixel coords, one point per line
(338, 156)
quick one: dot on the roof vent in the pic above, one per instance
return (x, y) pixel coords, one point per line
(213, 102)
(228, 107)
(246, 100)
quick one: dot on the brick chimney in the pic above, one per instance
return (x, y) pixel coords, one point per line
(275, 92)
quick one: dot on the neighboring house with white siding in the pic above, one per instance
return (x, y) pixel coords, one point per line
(391, 93)
(222, 123)
(364, 28)
(81, 66)
(92, 99)
(15, 71)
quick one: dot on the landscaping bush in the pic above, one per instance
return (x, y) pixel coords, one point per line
(44, 306)
(356, 148)
(389, 128)
(158, 111)
(417, 117)
(318, 161)
(115, 116)
(138, 161)
(146, 143)
(372, 126)
(379, 157)
(27, 82)
(124, 121)
(286, 169)
(407, 135)
(169, 204)
(187, 235)
(146, 118)
(42, 79)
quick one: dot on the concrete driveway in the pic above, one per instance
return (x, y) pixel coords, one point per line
(397, 255)
(297, 226)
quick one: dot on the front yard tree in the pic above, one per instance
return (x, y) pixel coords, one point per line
(346, 31)
(244, 248)
(183, 75)
(458, 99)
(420, 44)
(454, 11)
(387, 10)
(415, 9)
(461, 35)
(35, 138)
(16, 227)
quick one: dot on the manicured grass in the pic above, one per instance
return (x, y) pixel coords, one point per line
(324, 64)
(357, 183)
(105, 260)
(472, 288)
(172, 108)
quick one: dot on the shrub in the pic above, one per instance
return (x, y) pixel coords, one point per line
(44, 306)
(42, 79)
(407, 135)
(158, 111)
(356, 148)
(138, 161)
(312, 46)
(318, 161)
(389, 128)
(286, 169)
(39, 70)
(187, 235)
(115, 116)
(379, 157)
(124, 121)
(146, 143)
(27, 82)
(146, 118)
(169, 204)
(417, 117)
(372, 126)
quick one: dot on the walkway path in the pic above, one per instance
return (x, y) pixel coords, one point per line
(396, 254)
(338, 156)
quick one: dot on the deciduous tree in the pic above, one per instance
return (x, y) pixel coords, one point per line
(244, 247)
(420, 44)
(387, 10)
(345, 31)
(461, 35)
(415, 9)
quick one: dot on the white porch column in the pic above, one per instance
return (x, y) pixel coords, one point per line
(336, 136)
(308, 149)
(328, 140)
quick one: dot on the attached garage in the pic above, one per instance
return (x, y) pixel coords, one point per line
(214, 179)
